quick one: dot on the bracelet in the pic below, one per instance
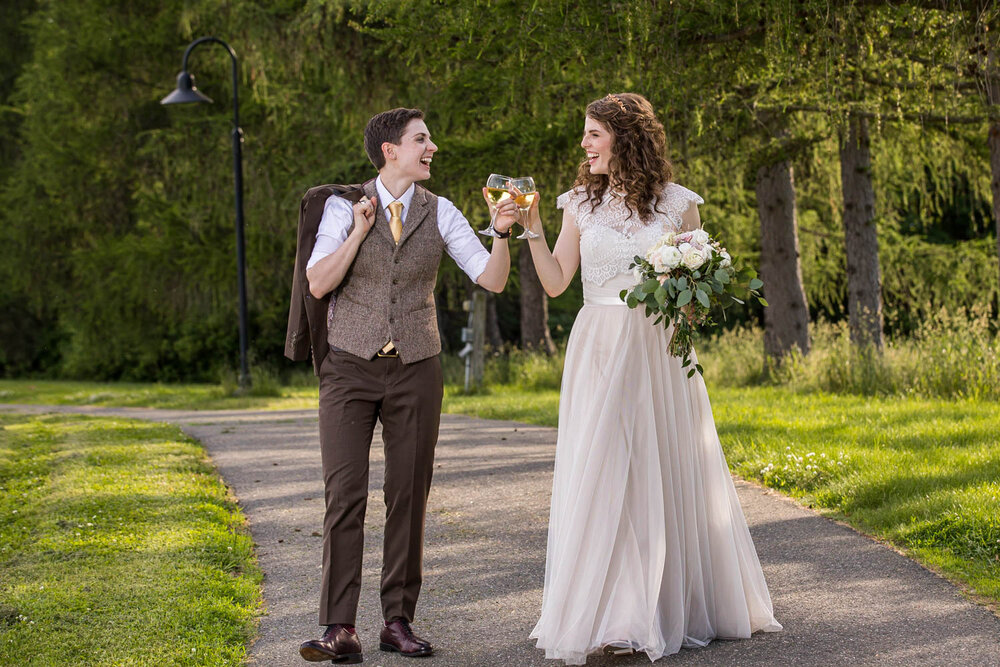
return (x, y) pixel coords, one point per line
(502, 235)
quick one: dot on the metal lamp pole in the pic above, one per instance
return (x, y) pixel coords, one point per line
(186, 93)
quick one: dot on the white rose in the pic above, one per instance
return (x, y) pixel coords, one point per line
(700, 236)
(670, 256)
(684, 247)
(726, 259)
(693, 258)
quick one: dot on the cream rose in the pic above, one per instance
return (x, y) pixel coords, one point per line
(693, 258)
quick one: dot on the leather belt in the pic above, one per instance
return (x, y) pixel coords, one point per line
(388, 351)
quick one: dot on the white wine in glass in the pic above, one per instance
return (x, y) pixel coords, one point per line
(497, 195)
(526, 186)
(496, 190)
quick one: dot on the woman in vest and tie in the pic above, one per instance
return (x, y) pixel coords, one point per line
(380, 257)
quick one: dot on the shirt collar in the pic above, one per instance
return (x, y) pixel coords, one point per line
(385, 197)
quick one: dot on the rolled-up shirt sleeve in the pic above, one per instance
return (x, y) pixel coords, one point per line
(461, 241)
(333, 228)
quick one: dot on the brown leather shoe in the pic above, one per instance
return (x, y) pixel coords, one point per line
(340, 643)
(399, 638)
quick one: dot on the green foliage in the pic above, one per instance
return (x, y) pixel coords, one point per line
(116, 221)
(110, 528)
(949, 355)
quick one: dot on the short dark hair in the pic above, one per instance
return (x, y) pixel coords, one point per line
(387, 126)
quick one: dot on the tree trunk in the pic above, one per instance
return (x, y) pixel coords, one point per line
(864, 282)
(992, 80)
(493, 336)
(994, 141)
(786, 319)
(535, 333)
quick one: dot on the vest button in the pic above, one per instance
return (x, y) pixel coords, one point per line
(391, 320)
(392, 300)
(395, 281)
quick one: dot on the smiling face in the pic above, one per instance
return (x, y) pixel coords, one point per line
(411, 158)
(597, 141)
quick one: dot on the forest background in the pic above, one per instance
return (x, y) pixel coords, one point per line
(847, 148)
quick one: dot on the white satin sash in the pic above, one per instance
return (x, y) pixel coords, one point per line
(608, 293)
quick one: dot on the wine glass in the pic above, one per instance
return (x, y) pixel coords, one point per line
(496, 190)
(526, 186)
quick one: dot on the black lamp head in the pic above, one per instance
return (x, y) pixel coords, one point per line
(185, 93)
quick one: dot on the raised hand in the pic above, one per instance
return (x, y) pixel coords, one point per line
(364, 214)
(531, 220)
(505, 212)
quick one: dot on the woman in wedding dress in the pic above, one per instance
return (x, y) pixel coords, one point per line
(648, 549)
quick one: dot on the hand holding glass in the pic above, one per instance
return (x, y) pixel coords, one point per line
(524, 189)
(496, 190)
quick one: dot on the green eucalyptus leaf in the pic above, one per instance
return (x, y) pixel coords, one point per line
(702, 298)
(684, 298)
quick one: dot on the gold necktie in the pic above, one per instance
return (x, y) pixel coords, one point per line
(396, 221)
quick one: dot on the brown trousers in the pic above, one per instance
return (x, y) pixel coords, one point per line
(406, 398)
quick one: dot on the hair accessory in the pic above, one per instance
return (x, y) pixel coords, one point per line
(618, 102)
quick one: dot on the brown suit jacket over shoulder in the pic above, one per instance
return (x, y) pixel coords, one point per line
(307, 314)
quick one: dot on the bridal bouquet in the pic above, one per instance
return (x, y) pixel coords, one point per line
(681, 278)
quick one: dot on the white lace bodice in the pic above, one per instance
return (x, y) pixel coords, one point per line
(610, 239)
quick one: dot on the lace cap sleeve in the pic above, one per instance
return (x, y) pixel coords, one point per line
(681, 196)
(568, 199)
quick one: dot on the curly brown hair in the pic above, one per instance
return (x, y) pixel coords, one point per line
(638, 164)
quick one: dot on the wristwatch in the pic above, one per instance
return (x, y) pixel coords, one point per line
(502, 235)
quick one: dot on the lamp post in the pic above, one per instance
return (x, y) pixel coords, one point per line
(186, 93)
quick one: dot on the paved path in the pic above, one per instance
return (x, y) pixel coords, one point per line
(842, 598)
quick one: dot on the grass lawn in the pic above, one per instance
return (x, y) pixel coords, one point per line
(137, 395)
(119, 545)
(923, 474)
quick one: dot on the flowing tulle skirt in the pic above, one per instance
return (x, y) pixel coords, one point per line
(647, 543)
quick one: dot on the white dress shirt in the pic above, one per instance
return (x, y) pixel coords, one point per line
(459, 239)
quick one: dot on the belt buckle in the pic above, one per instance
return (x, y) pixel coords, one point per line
(391, 354)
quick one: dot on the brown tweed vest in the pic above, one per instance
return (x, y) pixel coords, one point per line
(388, 293)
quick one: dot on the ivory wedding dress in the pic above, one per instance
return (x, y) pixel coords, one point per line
(647, 544)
